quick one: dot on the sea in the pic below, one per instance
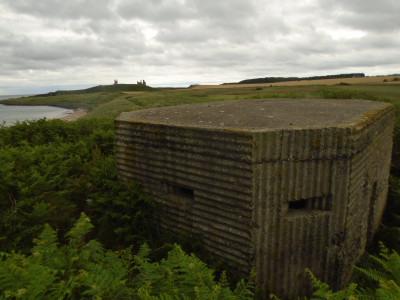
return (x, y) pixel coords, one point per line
(10, 114)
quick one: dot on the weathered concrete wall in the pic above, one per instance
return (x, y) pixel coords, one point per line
(202, 179)
(280, 184)
(316, 206)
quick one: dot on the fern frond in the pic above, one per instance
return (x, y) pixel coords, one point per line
(20, 275)
(46, 245)
(182, 276)
(142, 255)
(388, 290)
(244, 290)
(373, 274)
(223, 280)
(91, 251)
(365, 294)
(103, 281)
(388, 263)
(323, 291)
(171, 297)
(77, 233)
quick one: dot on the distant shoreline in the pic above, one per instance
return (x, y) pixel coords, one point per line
(73, 114)
(66, 106)
(5, 97)
(78, 112)
(10, 114)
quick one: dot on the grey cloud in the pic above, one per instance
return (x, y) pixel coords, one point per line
(193, 35)
(232, 10)
(203, 32)
(60, 54)
(27, 50)
(368, 15)
(159, 11)
(194, 39)
(61, 9)
(221, 56)
(194, 21)
(383, 42)
(153, 10)
(364, 6)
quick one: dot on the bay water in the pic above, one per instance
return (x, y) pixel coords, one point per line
(10, 114)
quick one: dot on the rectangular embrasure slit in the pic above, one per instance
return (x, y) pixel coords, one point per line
(183, 192)
(299, 204)
(311, 204)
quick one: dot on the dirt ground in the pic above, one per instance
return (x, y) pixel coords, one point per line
(77, 114)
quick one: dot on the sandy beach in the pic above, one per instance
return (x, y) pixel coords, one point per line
(77, 114)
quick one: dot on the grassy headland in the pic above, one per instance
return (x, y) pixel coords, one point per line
(109, 101)
(51, 171)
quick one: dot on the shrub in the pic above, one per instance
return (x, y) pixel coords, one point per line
(78, 269)
(384, 274)
(52, 170)
(85, 270)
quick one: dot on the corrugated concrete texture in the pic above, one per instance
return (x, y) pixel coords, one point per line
(279, 184)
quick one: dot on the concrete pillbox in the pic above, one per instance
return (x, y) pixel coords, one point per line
(278, 185)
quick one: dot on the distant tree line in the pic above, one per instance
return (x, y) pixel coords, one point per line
(283, 79)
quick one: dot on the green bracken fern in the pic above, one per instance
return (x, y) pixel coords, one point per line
(83, 269)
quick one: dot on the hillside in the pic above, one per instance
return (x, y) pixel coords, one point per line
(102, 88)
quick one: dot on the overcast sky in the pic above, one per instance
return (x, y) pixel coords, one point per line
(54, 44)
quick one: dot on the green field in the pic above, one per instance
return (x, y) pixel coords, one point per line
(110, 104)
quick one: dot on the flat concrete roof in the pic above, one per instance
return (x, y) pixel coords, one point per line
(269, 114)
